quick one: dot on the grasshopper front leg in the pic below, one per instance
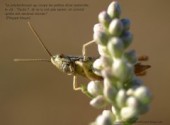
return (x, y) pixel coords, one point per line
(84, 48)
(83, 88)
(75, 86)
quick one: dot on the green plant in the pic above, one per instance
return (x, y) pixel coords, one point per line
(121, 88)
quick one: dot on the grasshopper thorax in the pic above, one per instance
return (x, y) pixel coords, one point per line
(64, 64)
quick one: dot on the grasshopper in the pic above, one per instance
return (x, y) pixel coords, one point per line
(78, 65)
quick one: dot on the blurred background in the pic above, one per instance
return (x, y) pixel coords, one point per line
(39, 94)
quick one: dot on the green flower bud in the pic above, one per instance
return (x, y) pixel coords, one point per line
(121, 98)
(101, 120)
(131, 56)
(97, 66)
(103, 50)
(122, 70)
(106, 118)
(132, 102)
(104, 18)
(98, 28)
(114, 10)
(130, 92)
(143, 95)
(108, 74)
(109, 91)
(107, 62)
(100, 37)
(128, 113)
(95, 88)
(126, 24)
(116, 47)
(109, 77)
(114, 110)
(116, 27)
(98, 102)
(109, 114)
(127, 39)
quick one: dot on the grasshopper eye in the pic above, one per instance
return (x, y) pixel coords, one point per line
(61, 55)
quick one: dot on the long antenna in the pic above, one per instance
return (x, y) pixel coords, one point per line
(39, 39)
(32, 60)
(42, 44)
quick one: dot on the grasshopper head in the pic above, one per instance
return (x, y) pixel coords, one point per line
(63, 63)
